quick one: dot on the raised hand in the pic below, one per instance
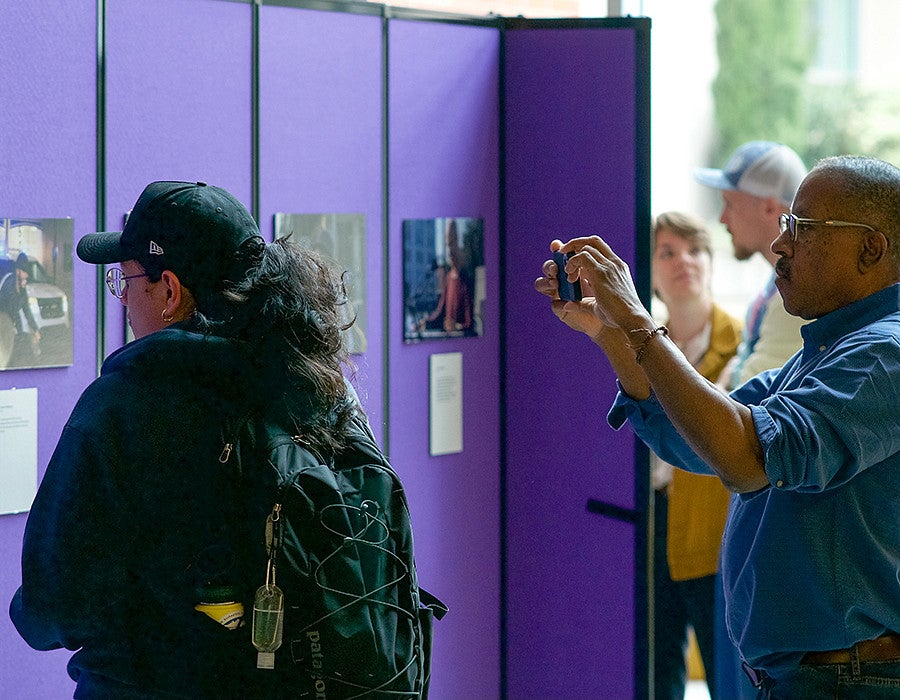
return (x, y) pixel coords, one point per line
(615, 301)
(578, 315)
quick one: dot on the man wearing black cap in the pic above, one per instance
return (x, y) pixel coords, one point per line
(136, 517)
(757, 184)
(14, 304)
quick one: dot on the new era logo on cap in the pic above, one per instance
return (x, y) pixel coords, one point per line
(190, 228)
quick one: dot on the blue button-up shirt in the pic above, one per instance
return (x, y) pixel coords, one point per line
(812, 562)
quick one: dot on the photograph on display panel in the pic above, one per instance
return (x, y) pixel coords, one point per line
(342, 239)
(36, 278)
(443, 278)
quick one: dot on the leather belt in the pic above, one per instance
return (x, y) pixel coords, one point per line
(883, 648)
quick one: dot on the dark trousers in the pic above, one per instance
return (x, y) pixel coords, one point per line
(678, 604)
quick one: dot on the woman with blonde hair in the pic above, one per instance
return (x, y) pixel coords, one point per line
(690, 509)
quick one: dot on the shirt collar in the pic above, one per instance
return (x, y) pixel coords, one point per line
(852, 317)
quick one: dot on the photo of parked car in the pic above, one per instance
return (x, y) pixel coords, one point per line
(35, 293)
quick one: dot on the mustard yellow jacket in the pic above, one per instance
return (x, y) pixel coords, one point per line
(698, 504)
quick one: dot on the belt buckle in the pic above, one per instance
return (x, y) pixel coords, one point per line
(756, 677)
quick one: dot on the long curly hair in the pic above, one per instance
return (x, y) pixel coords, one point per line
(287, 313)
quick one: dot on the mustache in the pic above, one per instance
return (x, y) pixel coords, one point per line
(782, 267)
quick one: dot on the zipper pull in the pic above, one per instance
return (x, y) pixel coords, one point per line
(272, 537)
(226, 453)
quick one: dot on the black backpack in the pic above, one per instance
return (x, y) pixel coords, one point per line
(333, 534)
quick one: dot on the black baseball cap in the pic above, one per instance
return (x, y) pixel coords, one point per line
(190, 228)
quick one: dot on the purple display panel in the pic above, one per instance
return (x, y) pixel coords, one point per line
(443, 161)
(179, 97)
(320, 143)
(571, 133)
(48, 145)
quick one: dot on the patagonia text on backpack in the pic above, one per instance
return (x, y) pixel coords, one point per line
(337, 611)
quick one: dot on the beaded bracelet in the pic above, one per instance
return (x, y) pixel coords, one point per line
(648, 336)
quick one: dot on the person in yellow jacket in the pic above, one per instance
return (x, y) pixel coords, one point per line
(690, 509)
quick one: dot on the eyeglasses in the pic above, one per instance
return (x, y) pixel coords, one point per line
(117, 281)
(792, 223)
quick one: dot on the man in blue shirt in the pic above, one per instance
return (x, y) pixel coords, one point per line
(811, 551)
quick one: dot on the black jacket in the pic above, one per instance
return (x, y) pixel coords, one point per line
(13, 300)
(132, 497)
